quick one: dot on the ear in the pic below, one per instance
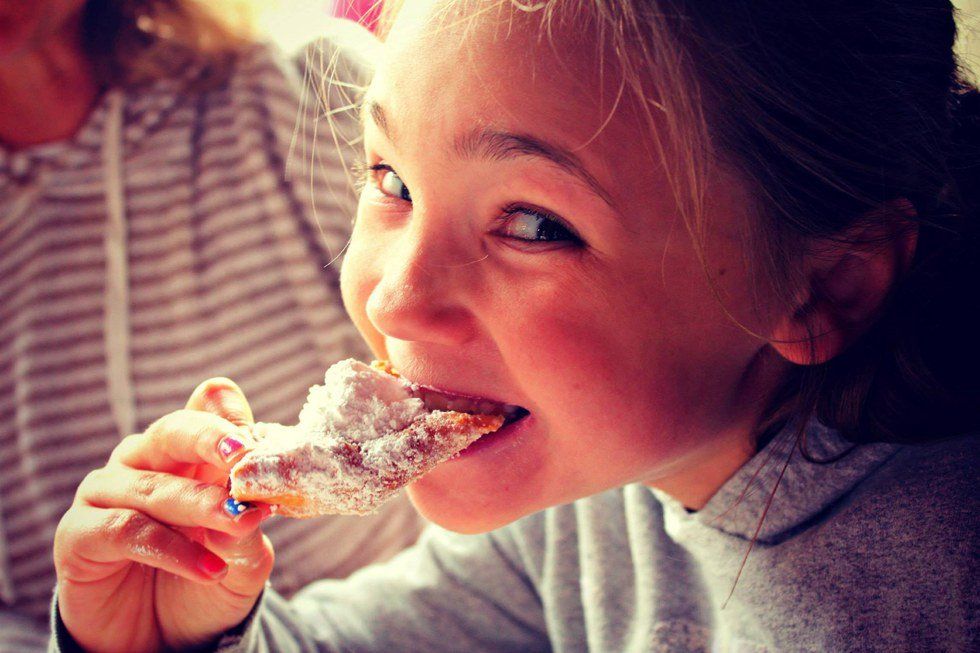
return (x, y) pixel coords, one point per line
(846, 281)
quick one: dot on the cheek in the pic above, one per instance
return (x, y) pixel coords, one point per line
(579, 352)
(605, 364)
(358, 277)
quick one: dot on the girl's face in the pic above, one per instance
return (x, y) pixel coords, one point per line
(517, 239)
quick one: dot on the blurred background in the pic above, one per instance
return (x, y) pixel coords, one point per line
(969, 43)
(292, 23)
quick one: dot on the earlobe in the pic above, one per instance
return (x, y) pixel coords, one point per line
(809, 336)
(846, 281)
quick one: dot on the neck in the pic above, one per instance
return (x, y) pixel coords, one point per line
(702, 472)
(46, 92)
(697, 476)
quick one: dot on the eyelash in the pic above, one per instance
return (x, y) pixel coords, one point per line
(361, 171)
(364, 173)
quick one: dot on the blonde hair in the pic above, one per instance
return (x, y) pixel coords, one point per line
(134, 41)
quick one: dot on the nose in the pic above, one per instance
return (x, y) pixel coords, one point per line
(422, 293)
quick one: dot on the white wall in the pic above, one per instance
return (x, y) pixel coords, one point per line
(293, 23)
(968, 44)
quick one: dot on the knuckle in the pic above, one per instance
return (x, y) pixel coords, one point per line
(159, 425)
(127, 444)
(206, 494)
(77, 535)
(202, 431)
(193, 423)
(168, 423)
(145, 486)
(65, 534)
(181, 424)
(67, 565)
(127, 525)
(90, 483)
(159, 539)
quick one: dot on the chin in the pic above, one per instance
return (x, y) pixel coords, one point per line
(452, 508)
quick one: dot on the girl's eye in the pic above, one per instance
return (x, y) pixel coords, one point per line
(534, 226)
(390, 183)
(519, 223)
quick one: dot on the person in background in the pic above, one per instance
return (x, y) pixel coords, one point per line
(162, 220)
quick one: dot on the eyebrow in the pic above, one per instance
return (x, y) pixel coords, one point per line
(501, 146)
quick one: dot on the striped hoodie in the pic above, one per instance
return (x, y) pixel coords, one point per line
(188, 230)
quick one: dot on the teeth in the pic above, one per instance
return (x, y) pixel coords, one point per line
(437, 400)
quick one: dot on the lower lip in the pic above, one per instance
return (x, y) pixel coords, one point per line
(505, 437)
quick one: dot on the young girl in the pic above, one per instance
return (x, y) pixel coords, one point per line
(726, 256)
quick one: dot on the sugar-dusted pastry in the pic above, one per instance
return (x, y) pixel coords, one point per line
(362, 435)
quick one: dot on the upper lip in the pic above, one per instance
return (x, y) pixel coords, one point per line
(420, 381)
(435, 399)
(456, 393)
(508, 408)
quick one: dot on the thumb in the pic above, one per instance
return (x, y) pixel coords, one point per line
(222, 397)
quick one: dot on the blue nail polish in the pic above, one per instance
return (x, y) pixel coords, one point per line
(235, 508)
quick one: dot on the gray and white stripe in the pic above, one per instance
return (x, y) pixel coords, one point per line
(228, 274)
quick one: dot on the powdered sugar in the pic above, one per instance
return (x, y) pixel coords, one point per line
(359, 402)
(361, 436)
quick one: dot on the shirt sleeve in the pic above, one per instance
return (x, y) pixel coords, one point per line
(450, 592)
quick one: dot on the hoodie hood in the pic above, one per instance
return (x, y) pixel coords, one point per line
(805, 490)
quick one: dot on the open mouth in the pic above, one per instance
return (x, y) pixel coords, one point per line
(434, 399)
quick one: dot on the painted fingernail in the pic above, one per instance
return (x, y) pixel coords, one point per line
(212, 565)
(236, 508)
(228, 447)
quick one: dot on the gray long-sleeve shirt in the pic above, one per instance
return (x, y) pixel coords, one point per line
(874, 552)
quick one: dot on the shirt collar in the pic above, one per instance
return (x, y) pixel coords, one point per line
(806, 484)
(146, 106)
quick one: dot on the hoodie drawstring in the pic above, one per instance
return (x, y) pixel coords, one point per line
(117, 326)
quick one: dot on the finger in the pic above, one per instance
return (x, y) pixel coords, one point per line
(184, 437)
(92, 544)
(171, 500)
(224, 398)
(250, 559)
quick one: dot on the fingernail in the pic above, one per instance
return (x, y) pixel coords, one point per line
(228, 447)
(236, 508)
(212, 565)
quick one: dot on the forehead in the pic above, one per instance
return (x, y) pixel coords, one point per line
(451, 67)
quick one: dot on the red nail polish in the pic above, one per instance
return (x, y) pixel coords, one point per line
(212, 565)
(228, 447)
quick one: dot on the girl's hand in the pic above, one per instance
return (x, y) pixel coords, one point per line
(147, 556)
